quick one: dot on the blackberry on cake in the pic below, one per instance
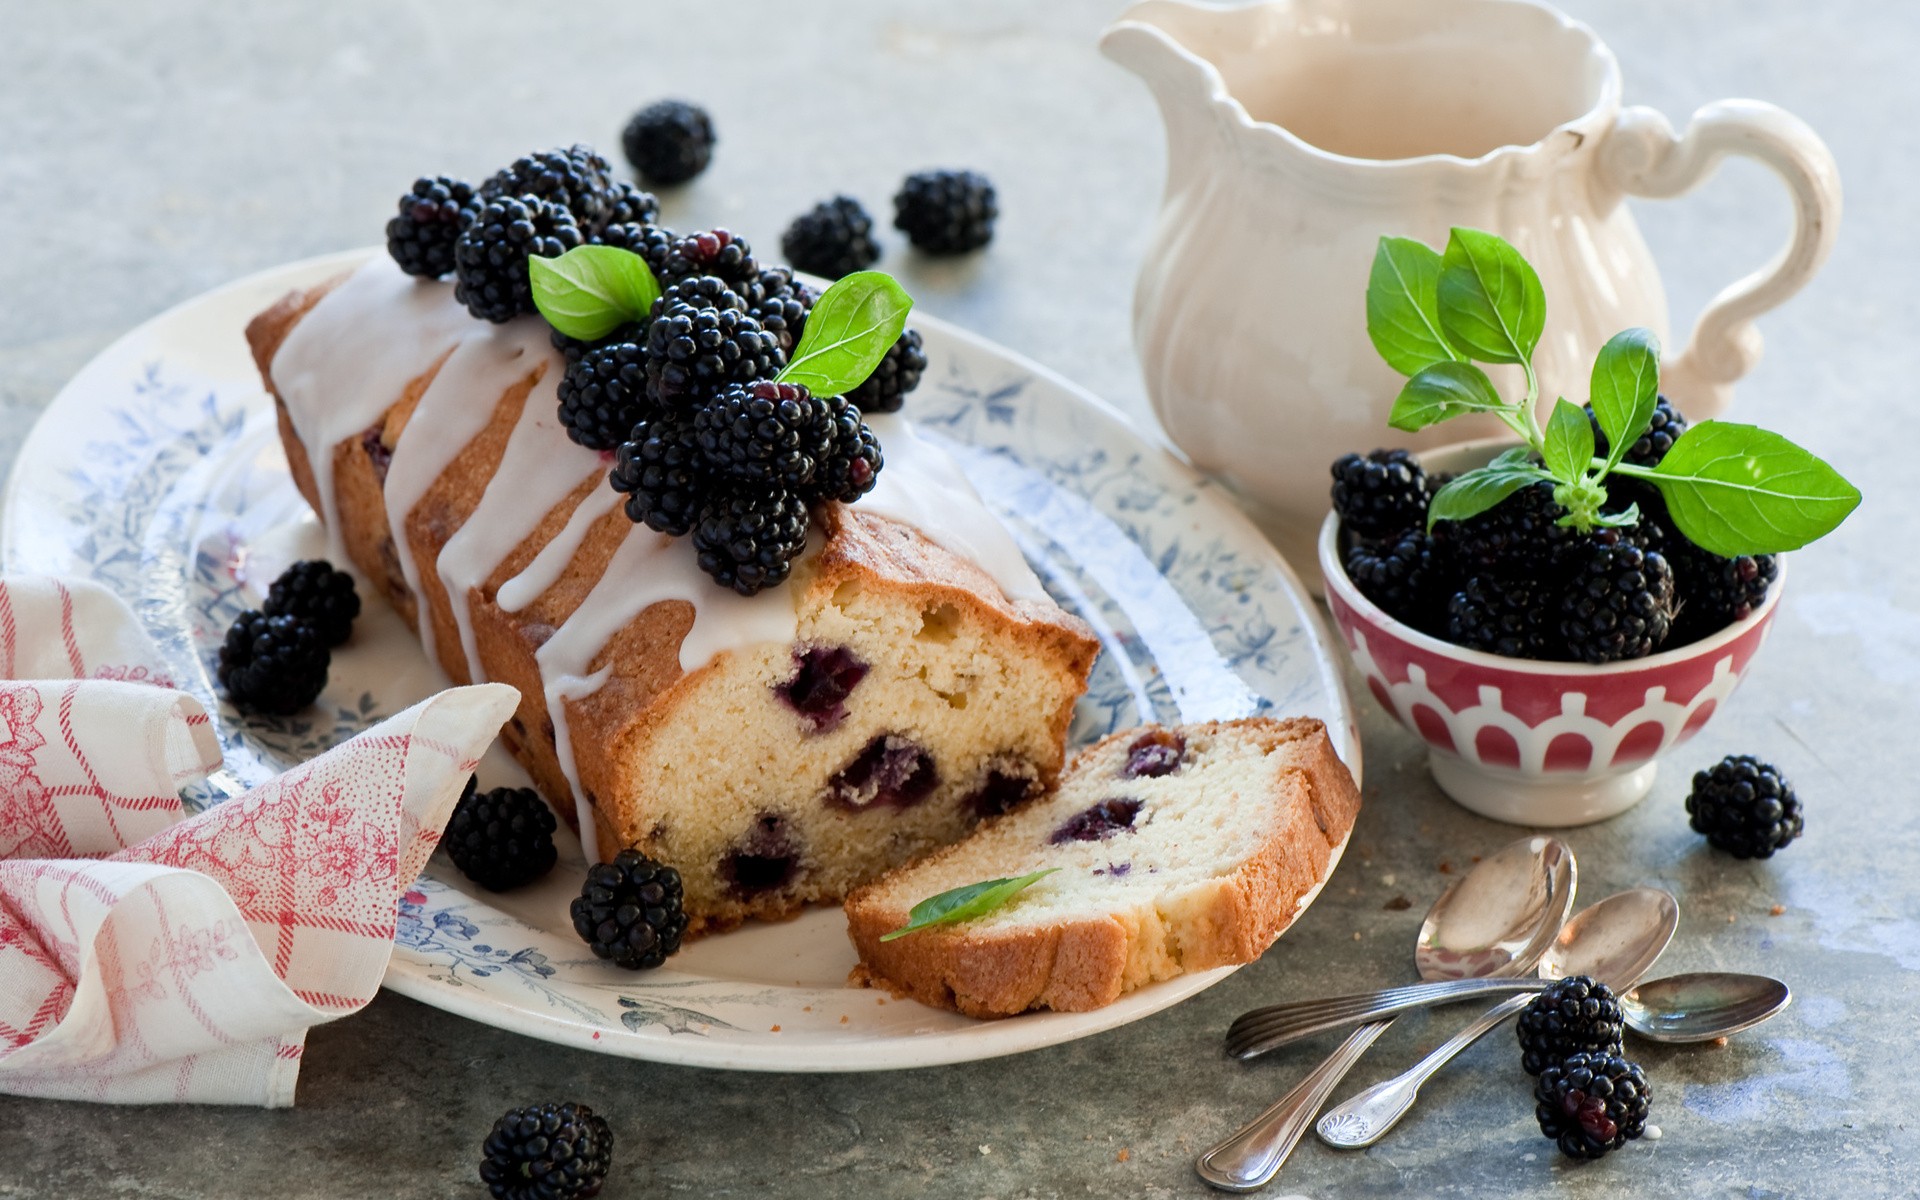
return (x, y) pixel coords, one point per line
(899, 372)
(1619, 601)
(747, 541)
(1574, 1015)
(273, 665)
(629, 911)
(946, 212)
(603, 392)
(575, 179)
(421, 236)
(654, 243)
(1402, 576)
(781, 305)
(669, 141)
(1745, 807)
(659, 470)
(1380, 494)
(700, 339)
(764, 434)
(1592, 1104)
(833, 238)
(547, 1151)
(853, 459)
(323, 597)
(628, 206)
(717, 252)
(1661, 433)
(1511, 617)
(501, 839)
(490, 257)
(1173, 850)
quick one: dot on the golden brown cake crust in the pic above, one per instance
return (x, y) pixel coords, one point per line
(1081, 964)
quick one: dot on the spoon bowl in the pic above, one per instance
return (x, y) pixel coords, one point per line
(1615, 940)
(1701, 1006)
(1502, 916)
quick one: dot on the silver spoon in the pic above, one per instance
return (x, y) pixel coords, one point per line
(1614, 941)
(1499, 918)
(1701, 1006)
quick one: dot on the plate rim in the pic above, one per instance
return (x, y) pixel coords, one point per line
(979, 1041)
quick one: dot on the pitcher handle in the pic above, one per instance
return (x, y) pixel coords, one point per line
(1643, 157)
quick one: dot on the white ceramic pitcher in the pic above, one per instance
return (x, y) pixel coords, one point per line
(1300, 131)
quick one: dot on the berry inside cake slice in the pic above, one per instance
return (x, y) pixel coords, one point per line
(1170, 849)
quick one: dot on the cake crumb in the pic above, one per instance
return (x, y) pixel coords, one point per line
(1777, 910)
(1476, 858)
(1445, 867)
(1124, 1155)
(774, 1029)
(844, 1018)
(986, 1149)
(1398, 904)
(1356, 935)
(806, 1008)
(1730, 918)
(1719, 1041)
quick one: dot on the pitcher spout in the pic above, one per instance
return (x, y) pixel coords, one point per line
(1151, 39)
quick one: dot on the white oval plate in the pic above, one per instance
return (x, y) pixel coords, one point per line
(158, 472)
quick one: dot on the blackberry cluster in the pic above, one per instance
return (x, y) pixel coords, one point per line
(1575, 1015)
(717, 252)
(629, 911)
(603, 392)
(833, 238)
(275, 665)
(669, 141)
(432, 214)
(1398, 574)
(781, 306)
(946, 212)
(1592, 1104)
(1665, 429)
(1509, 617)
(898, 373)
(1379, 494)
(318, 594)
(1618, 602)
(547, 1152)
(501, 839)
(1744, 807)
(700, 338)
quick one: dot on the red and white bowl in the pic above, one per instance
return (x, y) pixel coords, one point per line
(1539, 743)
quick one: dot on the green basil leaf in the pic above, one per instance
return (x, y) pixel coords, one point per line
(1513, 456)
(1734, 489)
(852, 326)
(1477, 491)
(1568, 448)
(1619, 520)
(1440, 391)
(1403, 306)
(965, 903)
(1625, 388)
(1492, 307)
(590, 291)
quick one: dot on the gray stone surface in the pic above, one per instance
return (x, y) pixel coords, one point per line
(150, 152)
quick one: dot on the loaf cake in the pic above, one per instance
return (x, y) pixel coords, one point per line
(1176, 850)
(909, 679)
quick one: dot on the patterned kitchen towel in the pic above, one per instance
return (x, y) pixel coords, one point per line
(145, 958)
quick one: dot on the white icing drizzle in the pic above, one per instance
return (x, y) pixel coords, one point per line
(456, 406)
(351, 356)
(548, 565)
(540, 468)
(920, 485)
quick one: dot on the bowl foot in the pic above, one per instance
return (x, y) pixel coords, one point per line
(1531, 800)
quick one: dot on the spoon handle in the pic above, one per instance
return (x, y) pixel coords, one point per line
(1363, 1119)
(1251, 1158)
(1262, 1029)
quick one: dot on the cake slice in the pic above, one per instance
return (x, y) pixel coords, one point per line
(1175, 850)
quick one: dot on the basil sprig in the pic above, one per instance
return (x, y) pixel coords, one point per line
(965, 903)
(849, 330)
(1731, 489)
(590, 291)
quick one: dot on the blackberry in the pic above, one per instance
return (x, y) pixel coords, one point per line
(696, 349)
(547, 1152)
(576, 179)
(1666, 427)
(946, 212)
(1592, 1104)
(748, 541)
(833, 238)
(1745, 807)
(781, 304)
(629, 913)
(653, 243)
(431, 217)
(716, 252)
(669, 141)
(272, 665)
(899, 372)
(764, 434)
(628, 205)
(1715, 592)
(320, 595)
(1514, 618)
(1401, 576)
(603, 393)
(1619, 601)
(1381, 494)
(659, 469)
(853, 460)
(490, 259)
(502, 838)
(1518, 536)
(1574, 1016)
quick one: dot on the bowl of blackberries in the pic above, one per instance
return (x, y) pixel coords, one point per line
(1553, 610)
